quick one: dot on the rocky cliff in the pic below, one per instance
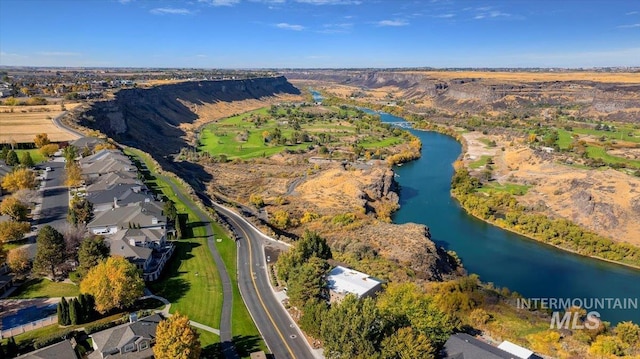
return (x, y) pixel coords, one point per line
(152, 119)
(612, 98)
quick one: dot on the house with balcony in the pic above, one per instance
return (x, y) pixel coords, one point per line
(137, 232)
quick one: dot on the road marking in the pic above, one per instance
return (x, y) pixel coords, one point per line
(253, 279)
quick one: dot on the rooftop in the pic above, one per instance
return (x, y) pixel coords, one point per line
(345, 280)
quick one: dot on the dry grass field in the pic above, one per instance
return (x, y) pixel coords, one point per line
(25, 122)
(630, 78)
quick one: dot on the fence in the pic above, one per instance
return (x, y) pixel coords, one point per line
(29, 326)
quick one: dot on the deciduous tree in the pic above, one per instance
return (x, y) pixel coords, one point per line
(80, 211)
(13, 231)
(42, 139)
(20, 178)
(114, 283)
(70, 153)
(352, 329)
(176, 339)
(12, 207)
(51, 251)
(18, 260)
(49, 149)
(73, 176)
(407, 344)
(628, 332)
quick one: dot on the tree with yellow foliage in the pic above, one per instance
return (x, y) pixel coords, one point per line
(21, 178)
(73, 176)
(42, 139)
(114, 283)
(49, 149)
(14, 208)
(176, 339)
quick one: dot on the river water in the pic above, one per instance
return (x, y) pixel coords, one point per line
(533, 269)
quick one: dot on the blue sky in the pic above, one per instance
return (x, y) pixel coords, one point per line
(320, 33)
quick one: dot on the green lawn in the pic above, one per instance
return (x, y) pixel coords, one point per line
(482, 161)
(36, 156)
(513, 188)
(200, 296)
(238, 137)
(621, 133)
(44, 288)
(564, 139)
(600, 152)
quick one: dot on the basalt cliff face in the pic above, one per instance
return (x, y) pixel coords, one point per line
(604, 96)
(156, 119)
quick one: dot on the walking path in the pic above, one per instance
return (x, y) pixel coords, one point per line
(226, 336)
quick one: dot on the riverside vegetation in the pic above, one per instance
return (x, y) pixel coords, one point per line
(411, 320)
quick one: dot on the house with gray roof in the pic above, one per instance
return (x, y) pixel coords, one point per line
(86, 142)
(62, 350)
(119, 195)
(464, 346)
(127, 341)
(104, 162)
(137, 232)
(109, 180)
(138, 215)
(146, 248)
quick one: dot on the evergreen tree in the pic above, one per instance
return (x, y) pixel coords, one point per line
(63, 317)
(26, 160)
(12, 348)
(83, 306)
(4, 153)
(74, 311)
(50, 251)
(12, 158)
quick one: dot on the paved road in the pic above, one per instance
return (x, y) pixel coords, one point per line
(57, 121)
(55, 196)
(281, 334)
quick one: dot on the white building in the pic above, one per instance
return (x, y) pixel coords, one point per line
(518, 351)
(343, 281)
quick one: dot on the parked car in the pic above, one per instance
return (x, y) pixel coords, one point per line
(48, 169)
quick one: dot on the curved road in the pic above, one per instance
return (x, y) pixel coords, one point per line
(282, 335)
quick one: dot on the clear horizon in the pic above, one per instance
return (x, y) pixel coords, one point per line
(315, 34)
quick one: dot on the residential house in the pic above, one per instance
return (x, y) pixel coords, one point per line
(130, 340)
(89, 143)
(137, 232)
(464, 346)
(138, 215)
(118, 195)
(343, 281)
(146, 248)
(111, 179)
(62, 350)
(104, 162)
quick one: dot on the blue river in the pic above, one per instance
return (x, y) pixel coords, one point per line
(533, 269)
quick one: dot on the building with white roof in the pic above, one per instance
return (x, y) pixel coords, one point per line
(516, 350)
(343, 281)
